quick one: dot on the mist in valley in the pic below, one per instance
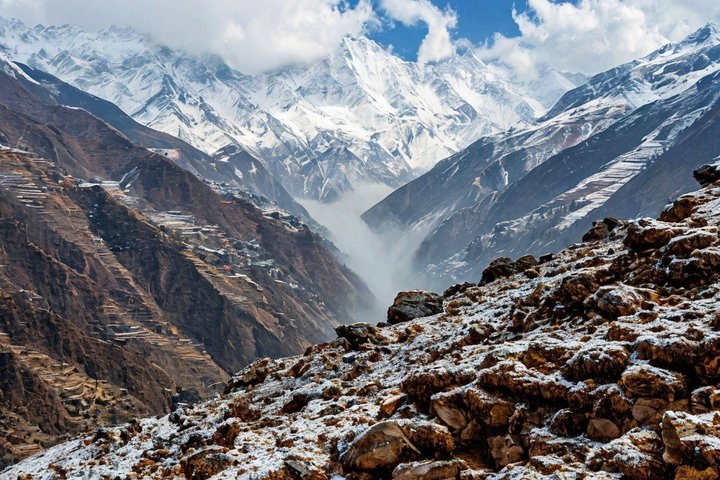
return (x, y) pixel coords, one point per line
(382, 259)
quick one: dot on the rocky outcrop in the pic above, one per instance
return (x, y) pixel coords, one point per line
(603, 365)
(414, 304)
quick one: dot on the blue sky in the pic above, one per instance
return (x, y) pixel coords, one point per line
(477, 21)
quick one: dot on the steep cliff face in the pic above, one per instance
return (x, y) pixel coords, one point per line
(600, 361)
(127, 283)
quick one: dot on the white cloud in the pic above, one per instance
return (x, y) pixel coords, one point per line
(594, 35)
(437, 44)
(252, 35)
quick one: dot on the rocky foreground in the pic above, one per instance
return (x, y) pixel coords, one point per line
(599, 362)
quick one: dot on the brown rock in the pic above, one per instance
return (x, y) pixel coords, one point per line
(498, 268)
(602, 430)
(414, 304)
(381, 447)
(686, 472)
(429, 470)
(505, 450)
(649, 381)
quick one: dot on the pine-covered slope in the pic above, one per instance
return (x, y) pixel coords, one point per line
(598, 362)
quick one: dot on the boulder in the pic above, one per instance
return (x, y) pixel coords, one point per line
(653, 382)
(498, 268)
(358, 333)
(429, 470)
(505, 450)
(707, 174)
(381, 447)
(414, 304)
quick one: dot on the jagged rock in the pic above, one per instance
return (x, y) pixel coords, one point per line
(680, 209)
(414, 304)
(646, 234)
(567, 423)
(429, 470)
(601, 229)
(433, 440)
(707, 174)
(498, 268)
(381, 447)
(602, 430)
(206, 463)
(358, 333)
(649, 381)
(390, 405)
(505, 450)
(691, 439)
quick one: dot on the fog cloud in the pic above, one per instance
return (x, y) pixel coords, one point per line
(382, 260)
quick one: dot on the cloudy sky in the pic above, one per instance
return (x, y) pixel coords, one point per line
(585, 36)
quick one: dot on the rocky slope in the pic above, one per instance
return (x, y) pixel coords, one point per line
(600, 361)
(126, 283)
(360, 114)
(537, 189)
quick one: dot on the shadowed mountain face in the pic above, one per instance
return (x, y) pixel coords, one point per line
(126, 282)
(230, 166)
(606, 148)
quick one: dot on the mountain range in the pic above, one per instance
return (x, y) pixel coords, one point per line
(360, 115)
(621, 144)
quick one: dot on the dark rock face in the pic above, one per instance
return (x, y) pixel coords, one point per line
(707, 174)
(414, 304)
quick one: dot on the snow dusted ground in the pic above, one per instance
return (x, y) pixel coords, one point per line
(598, 362)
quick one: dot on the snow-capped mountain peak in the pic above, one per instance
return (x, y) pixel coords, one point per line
(361, 114)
